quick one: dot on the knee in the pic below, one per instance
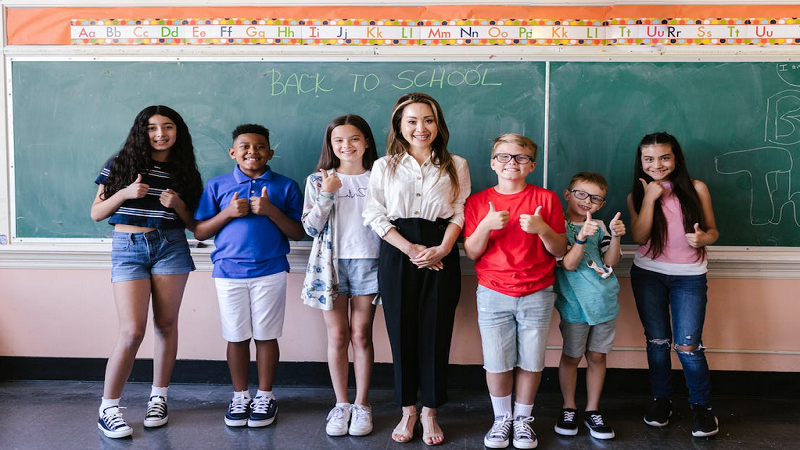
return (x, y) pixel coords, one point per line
(596, 358)
(569, 361)
(338, 339)
(688, 349)
(132, 336)
(165, 325)
(361, 338)
(659, 343)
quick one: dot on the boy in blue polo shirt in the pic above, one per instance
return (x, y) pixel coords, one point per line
(252, 211)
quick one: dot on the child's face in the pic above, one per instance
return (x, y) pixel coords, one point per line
(512, 170)
(162, 133)
(576, 207)
(658, 161)
(418, 125)
(348, 143)
(251, 151)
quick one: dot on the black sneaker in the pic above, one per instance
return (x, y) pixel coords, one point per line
(112, 424)
(704, 423)
(238, 412)
(597, 426)
(567, 424)
(262, 412)
(659, 413)
(500, 433)
(156, 415)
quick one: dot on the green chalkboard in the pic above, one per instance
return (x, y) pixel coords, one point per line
(738, 124)
(70, 116)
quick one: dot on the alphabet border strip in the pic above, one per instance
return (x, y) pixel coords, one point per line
(392, 32)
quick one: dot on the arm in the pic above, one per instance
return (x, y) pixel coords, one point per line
(614, 252)
(317, 204)
(171, 199)
(554, 243)
(431, 257)
(476, 243)
(575, 252)
(642, 222)
(104, 208)
(290, 228)
(702, 238)
(238, 207)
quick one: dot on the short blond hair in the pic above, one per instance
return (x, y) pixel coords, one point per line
(514, 138)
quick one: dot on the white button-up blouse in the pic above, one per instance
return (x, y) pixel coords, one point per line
(415, 191)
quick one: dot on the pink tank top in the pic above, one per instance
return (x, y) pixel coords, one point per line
(676, 249)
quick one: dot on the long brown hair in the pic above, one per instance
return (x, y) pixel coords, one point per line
(328, 159)
(397, 146)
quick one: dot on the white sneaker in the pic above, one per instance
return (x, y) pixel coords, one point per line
(361, 421)
(337, 421)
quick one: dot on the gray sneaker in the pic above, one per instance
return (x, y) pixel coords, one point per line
(524, 436)
(499, 435)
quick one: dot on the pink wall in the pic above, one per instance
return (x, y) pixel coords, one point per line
(70, 313)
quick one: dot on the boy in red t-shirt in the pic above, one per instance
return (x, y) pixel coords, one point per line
(514, 232)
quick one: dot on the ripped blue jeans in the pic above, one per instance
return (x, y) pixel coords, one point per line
(656, 295)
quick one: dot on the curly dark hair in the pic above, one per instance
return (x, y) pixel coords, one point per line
(133, 157)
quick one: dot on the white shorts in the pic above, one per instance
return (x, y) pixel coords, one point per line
(252, 307)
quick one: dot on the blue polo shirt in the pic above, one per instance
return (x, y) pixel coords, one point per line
(250, 246)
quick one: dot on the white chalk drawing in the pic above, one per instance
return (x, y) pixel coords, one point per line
(770, 168)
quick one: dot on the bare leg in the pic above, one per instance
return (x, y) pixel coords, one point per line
(527, 383)
(238, 362)
(267, 356)
(362, 314)
(167, 296)
(595, 377)
(568, 379)
(133, 300)
(338, 329)
(500, 384)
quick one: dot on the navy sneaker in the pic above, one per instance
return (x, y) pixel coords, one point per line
(659, 413)
(238, 412)
(704, 423)
(112, 424)
(262, 412)
(156, 415)
(567, 424)
(598, 428)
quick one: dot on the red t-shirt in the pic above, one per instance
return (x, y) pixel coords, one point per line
(515, 262)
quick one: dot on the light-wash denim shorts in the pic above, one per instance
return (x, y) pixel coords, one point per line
(579, 337)
(136, 256)
(358, 276)
(514, 329)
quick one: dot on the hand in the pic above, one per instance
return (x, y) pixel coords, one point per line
(137, 189)
(330, 183)
(697, 238)
(533, 224)
(495, 220)
(430, 257)
(652, 190)
(589, 228)
(261, 205)
(617, 227)
(238, 207)
(171, 199)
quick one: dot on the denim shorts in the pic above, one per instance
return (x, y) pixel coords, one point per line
(514, 329)
(136, 256)
(579, 337)
(358, 276)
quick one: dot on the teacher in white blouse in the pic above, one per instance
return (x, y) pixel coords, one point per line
(415, 202)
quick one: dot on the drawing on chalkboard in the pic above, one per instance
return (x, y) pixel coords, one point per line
(770, 168)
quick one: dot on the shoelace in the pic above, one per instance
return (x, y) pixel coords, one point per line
(156, 407)
(597, 420)
(336, 413)
(359, 412)
(522, 429)
(569, 416)
(501, 426)
(114, 420)
(239, 405)
(260, 405)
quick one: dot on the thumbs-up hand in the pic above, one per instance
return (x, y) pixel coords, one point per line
(495, 220)
(330, 183)
(137, 189)
(695, 239)
(238, 207)
(533, 224)
(261, 205)
(652, 190)
(589, 228)
(616, 226)
(171, 199)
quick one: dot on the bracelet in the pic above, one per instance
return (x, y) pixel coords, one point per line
(578, 241)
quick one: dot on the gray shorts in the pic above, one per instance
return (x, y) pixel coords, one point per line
(580, 337)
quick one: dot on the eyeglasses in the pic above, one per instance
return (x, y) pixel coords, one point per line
(581, 195)
(504, 158)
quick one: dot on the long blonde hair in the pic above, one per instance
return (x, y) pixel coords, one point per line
(397, 146)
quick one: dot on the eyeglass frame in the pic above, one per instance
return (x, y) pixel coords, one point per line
(526, 158)
(583, 195)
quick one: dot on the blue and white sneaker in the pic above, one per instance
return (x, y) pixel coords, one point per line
(156, 415)
(238, 412)
(262, 412)
(112, 424)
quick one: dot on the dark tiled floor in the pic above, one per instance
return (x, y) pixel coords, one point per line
(62, 415)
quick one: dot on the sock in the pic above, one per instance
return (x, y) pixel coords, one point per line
(106, 403)
(241, 394)
(159, 391)
(522, 410)
(267, 394)
(501, 405)
(343, 405)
